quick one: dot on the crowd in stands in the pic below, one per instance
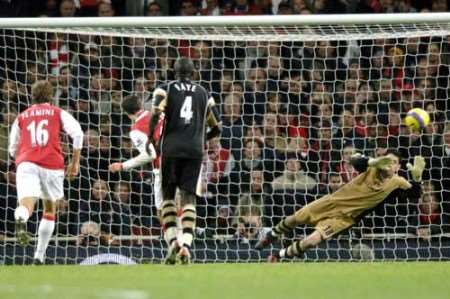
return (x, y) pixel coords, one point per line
(152, 8)
(293, 113)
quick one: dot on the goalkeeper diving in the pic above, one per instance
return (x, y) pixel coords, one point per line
(335, 213)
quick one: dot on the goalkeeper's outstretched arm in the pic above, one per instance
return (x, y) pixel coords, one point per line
(361, 162)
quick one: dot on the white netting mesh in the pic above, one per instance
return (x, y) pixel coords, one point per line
(295, 102)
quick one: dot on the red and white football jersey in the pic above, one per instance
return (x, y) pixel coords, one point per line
(35, 135)
(141, 129)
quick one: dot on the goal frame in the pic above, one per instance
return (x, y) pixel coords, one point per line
(227, 21)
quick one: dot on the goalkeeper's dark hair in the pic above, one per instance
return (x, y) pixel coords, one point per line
(395, 153)
(184, 68)
(131, 105)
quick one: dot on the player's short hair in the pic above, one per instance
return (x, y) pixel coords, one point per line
(42, 92)
(184, 67)
(395, 153)
(131, 105)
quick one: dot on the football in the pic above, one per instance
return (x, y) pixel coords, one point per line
(417, 119)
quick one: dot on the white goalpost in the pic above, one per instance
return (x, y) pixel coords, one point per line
(298, 95)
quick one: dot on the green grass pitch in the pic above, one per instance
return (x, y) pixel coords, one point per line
(426, 280)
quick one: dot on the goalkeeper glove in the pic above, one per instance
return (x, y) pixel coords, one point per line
(381, 162)
(417, 169)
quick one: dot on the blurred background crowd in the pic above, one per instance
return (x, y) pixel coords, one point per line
(108, 8)
(293, 114)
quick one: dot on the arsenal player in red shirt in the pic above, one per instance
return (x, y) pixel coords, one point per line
(139, 132)
(35, 144)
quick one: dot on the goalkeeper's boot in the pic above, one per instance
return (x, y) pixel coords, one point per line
(172, 251)
(21, 233)
(266, 240)
(282, 254)
(184, 256)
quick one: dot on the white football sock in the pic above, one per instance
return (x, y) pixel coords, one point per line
(45, 232)
(170, 234)
(187, 239)
(21, 213)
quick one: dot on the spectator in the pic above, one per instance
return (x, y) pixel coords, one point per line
(91, 235)
(232, 124)
(67, 220)
(298, 6)
(219, 162)
(14, 95)
(440, 163)
(105, 9)
(324, 149)
(92, 164)
(101, 209)
(35, 72)
(100, 93)
(51, 8)
(7, 118)
(154, 10)
(253, 193)
(58, 53)
(395, 69)
(294, 178)
(67, 8)
(299, 147)
(165, 58)
(207, 68)
(255, 93)
(347, 132)
(439, 6)
(275, 70)
(122, 196)
(272, 138)
(345, 168)
(284, 9)
(242, 7)
(144, 84)
(222, 223)
(249, 224)
(110, 52)
(83, 111)
(63, 91)
(211, 8)
(122, 193)
(225, 87)
(87, 64)
(334, 182)
(251, 159)
(188, 8)
(430, 221)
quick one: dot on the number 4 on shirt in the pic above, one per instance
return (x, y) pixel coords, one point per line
(186, 110)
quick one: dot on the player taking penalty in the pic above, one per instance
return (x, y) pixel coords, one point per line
(337, 212)
(35, 143)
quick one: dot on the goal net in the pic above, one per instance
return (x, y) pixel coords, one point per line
(297, 99)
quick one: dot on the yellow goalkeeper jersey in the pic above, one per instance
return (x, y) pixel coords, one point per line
(363, 193)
